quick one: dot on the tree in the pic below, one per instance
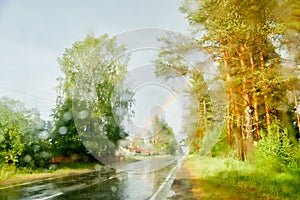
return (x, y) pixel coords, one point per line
(244, 37)
(91, 92)
(12, 145)
(65, 139)
(293, 34)
(23, 135)
(164, 141)
(293, 60)
(175, 60)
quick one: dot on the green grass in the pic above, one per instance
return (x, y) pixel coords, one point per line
(9, 174)
(7, 171)
(246, 178)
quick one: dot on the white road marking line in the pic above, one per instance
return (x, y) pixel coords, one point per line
(49, 197)
(154, 196)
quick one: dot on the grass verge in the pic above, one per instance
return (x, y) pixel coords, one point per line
(10, 175)
(219, 178)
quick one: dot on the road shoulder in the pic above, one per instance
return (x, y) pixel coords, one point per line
(190, 183)
(20, 179)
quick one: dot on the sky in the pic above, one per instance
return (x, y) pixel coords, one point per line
(35, 33)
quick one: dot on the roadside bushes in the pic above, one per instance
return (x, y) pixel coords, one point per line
(276, 151)
(23, 136)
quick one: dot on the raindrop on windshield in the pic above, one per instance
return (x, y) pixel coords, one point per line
(98, 167)
(44, 135)
(83, 114)
(27, 158)
(67, 116)
(62, 130)
(44, 154)
(114, 189)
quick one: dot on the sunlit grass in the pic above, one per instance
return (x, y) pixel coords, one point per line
(6, 171)
(9, 174)
(246, 178)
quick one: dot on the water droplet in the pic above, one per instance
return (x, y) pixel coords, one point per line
(62, 130)
(114, 189)
(44, 154)
(67, 116)
(52, 167)
(36, 147)
(27, 158)
(123, 176)
(83, 114)
(98, 167)
(101, 127)
(1, 136)
(44, 135)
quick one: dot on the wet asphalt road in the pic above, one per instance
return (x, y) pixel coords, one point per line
(103, 184)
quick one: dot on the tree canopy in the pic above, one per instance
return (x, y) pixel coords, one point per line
(89, 94)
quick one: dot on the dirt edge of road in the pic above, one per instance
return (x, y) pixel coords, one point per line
(20, 179)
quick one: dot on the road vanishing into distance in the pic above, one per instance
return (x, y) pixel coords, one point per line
(102, 184)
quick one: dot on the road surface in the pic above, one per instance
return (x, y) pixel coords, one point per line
(102, 184)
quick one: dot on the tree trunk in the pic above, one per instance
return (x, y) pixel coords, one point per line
(256, 117)
(255, 99)
(228, 101)
(247, 108)
(267, 109)
(238, 132)
(205, 114)
(297, 107)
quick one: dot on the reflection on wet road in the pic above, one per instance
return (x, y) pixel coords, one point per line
(53, 187)
(103, 184)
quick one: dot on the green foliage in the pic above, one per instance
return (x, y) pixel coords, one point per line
(64, 138)
(293, 20)
(11, 144)
(275, 150)
(220, 149)
(248, 40)
(293, 36)
(7, 170)
(93, 73)
(23, 136)
(244, 178)
(213, 141)
(164, 139)
(175, 60)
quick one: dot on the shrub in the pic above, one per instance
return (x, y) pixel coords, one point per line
(275, 150)
(7, 170)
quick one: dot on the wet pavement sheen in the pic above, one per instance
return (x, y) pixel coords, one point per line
(93, 185)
